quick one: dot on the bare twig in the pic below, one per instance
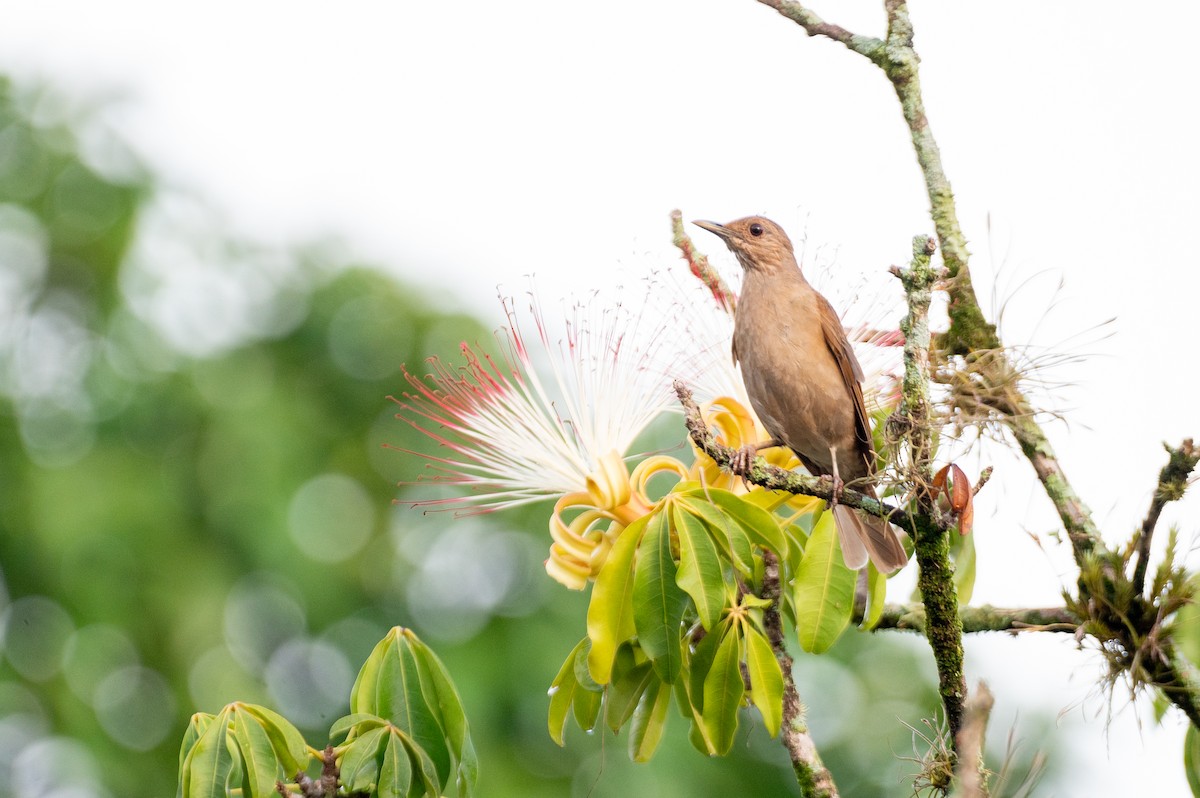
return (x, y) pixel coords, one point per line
(1172, 483)
(698, 263)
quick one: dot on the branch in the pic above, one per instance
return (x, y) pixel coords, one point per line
(935, 575)
(867, 46)
(911, 618)
(1172, 483)
(698, 263)
(772, 477)
(814, 778)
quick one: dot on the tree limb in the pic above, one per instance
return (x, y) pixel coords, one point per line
(935, 575)
(911, 618)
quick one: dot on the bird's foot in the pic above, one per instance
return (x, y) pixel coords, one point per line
(742, 460)
(838, 486)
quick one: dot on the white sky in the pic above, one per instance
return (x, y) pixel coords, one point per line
(470, 143)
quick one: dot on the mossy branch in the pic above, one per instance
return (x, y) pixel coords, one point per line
(986, 618)
(1172, 484)
(935, 575)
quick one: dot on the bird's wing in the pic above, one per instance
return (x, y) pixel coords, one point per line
(843, 355)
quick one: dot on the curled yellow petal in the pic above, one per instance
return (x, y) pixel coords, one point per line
(650, 468)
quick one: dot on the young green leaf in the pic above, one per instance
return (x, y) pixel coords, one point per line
(260, 768)
(766, 679)
(395, 769)
(586, 708)
(360, 759)
(762, 527)
(649, 721)
(823, 593)
(208, 766)
(658, 603)
(630, 679)
(446, 705)
(723, 691)
(610, 612)
(290, 748)
(562, 694)
(700, 574)
(356, 723)
(195, 730)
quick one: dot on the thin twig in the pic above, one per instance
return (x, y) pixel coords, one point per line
(1172, 483)
(699, 265)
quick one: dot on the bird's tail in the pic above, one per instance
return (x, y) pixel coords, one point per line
(866, 536)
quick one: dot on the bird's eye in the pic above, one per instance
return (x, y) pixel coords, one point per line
(756, 229)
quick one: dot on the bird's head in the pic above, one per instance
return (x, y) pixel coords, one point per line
(759, 244)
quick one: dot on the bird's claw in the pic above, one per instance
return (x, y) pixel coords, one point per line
(742, 460)
(835, 496)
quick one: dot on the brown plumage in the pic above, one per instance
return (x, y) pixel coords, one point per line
(804, 381)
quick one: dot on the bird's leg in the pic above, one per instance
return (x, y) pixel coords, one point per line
(744, 456)
(838, 485)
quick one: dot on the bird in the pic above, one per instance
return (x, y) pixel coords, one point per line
(804, 382)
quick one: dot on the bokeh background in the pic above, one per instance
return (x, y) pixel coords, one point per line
(222, 230)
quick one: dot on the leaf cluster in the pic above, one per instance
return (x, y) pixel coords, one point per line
(406, 735)
(690, 604)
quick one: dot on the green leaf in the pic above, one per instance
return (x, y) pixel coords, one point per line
(759, 524)
(286, 741)
(443, 699)
(700, 574)
(587, 708)
(362, 720)
(260, 769)
(610, 612)
(390, 685)
(766, 679)
(630, 680)
(962, 548)
(649, 721)
(562, 693)
(876, 595)
(701, 663)
(658, 603)
(360, 760)
(823, 593)
(427, 784)
(396, 770)
(208, 767)
(723, 691)
(1191, 759)
(195, 730)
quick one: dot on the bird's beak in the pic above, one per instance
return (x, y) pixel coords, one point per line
(717, 229)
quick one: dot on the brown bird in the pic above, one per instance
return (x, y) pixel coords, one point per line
(804, 381)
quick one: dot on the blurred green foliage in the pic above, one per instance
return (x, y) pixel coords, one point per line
(196, 508)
